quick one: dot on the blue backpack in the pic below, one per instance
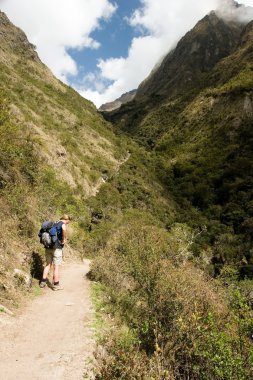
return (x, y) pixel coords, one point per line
(50, 234)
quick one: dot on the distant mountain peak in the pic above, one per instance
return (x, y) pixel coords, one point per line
(211, 39)
(186, 70)
(125, 98)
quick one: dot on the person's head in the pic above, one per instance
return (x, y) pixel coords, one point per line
(65, 218)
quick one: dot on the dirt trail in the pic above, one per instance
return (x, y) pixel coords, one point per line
(53, 337)
(96, 188)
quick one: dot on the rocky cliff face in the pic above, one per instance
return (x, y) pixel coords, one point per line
(125, 98)
(196, 53)
(184, 70)
(13, 40)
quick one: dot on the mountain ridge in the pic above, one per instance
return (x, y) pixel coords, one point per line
(206, 33)
(184, 68)
(111, 106)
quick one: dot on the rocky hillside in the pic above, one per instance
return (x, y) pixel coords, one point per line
(183, 71)
(125, 98)
(197, 52)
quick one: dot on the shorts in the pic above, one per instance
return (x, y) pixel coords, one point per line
(54, 255)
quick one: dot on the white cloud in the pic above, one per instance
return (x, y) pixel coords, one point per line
(126, 74)
(162, 22)
(56, 25)
(228, 11)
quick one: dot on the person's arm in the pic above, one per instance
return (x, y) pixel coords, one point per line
(64, 234)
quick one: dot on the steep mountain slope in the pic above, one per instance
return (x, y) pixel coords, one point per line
(195, 112)
(183, 71)
(65, 124)
(194, 115)
(200, 142)
(207, 150)
(196, 53)
(56, 152)
(55, 148)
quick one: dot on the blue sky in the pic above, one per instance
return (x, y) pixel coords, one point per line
(104, 48)
(114, 35)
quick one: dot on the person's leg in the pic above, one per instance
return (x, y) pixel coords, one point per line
(57, 260)
(46, 271)
(56, 277)
(49, 260)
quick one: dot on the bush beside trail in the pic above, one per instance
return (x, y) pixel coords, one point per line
(173, 321)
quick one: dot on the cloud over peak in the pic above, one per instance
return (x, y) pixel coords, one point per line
(59, 25)
(232, 11)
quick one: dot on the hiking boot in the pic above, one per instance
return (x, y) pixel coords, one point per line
(43, 284)
(57, 287)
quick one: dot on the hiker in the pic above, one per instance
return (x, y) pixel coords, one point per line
(54, 254)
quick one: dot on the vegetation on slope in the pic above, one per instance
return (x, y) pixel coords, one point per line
(169, 319)
(206, 161)
(200, 139)
(55, 150)
(173, 320)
